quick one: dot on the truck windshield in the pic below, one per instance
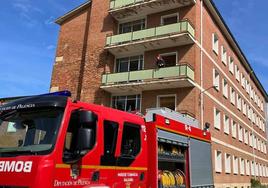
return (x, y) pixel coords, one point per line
(29, 131)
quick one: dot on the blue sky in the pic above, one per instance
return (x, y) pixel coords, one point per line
(28, 39)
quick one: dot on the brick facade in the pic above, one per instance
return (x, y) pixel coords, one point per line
(82, 59)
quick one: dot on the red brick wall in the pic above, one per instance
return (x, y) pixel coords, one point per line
(70, 44)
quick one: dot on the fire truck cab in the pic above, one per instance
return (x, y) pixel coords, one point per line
(52, 141)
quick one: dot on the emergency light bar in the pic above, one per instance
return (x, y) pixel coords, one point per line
(59, 93)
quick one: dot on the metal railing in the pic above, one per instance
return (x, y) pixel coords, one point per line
(147, 75)
(183, 26)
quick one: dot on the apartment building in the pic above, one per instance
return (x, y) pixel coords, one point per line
(107, 54)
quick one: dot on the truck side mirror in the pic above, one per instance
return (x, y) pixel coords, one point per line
(86, 117)
(85, 140)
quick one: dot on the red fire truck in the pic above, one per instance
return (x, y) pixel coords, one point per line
(52, 141)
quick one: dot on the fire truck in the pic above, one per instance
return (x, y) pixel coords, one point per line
(52, 141)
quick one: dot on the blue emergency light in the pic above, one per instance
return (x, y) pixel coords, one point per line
(59, 93)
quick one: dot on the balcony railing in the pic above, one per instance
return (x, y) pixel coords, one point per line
(183, 26)
(121, 3)
(180, 71)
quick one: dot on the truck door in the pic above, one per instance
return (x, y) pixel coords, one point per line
(81, 152)
(131, 164)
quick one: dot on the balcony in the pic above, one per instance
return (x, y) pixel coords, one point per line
(171, 35)
(128, 9)
(152, 79)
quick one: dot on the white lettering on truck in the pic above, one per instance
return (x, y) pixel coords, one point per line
(16, 166)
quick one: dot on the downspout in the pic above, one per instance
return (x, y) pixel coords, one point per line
(83, 57)
(201, 67)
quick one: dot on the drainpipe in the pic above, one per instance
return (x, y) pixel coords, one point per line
(201, 67)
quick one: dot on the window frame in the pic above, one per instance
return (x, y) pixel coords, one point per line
(168, 16)
(217, 119)
(168, 95)
(224, 55)
(215, 44)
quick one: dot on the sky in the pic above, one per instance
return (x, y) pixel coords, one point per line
(28, 39)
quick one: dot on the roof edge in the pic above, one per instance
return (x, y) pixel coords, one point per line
(212, 7)
(72, 12)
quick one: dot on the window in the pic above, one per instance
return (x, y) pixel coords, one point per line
(131, 144)
(223, 55)
(251, 93)
(170, 19)
(239, 102)
(232, 95)
(251, 139)
(235, 165)
(243, 81)
(237, 73)
(215, 43)
(256, 169)
(132, 26)
(167, 101)
(227, 163)
(244, 107)
(126, 103)
(240, 133)
(216, 79)
(252, 168)
(249, 112)
(260, 169)
(231, 65)
(218, 161)
(110, 137)
(247, 167)
(217, 119)
(226, 124)
(255, 142)
(258, 144)
(234, 127)
(242, 166)
(265, 150)
(170, 59)
(246, 136)
(247, 86)
(225, 88)
(127, 64)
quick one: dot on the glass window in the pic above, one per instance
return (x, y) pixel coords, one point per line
(167, 102)
(127, 64)
(126, 103)
(216, 79)
(226, 124)
(217, 119)
(235, 165)
(29, 131)
(225, 88)
(170, 19)
(218, 165)
(223, 55)
(110, 138)
(227, 163)
(215, 43)
(234, 129)
(131, 144)
(231, 65)
(132, 26)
